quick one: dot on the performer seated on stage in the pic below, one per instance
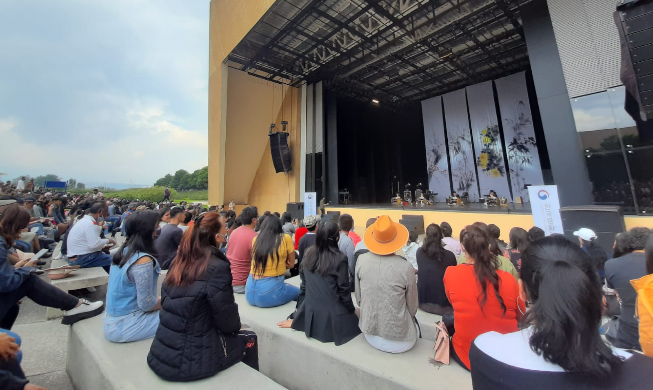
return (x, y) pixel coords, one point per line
(493, 194)
(455, 195)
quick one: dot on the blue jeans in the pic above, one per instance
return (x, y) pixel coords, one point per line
(37, 225)
(113, 221)
(135, 326)
(23, 246)
(269, 291)
(95, 259)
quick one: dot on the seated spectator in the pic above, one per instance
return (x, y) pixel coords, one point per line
(307, 240)
(199, 340)
(410, 250)
(164, 216)
(618, 274)
(484, 298)
(167, 242)
(17, 283)
(518, 242)
(325, 310)
(360, 249)
(504, 263)
(299, 233)
(11, 374)
(561, 348)
(587, 240)
(450, 243)
(239, 250)
(133, 302)
(288, 227)
(123, 218)
(272, 254)
(644, 288)
(183, 225)
(57, 212)
(84, 243)
(495, 233)
(620, 246)
(346, 244)
(386, 290)
(535, 233)
(433, 261)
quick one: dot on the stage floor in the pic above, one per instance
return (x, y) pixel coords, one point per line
(511, 208)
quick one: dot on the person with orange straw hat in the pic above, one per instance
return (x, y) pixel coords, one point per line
(386, 289)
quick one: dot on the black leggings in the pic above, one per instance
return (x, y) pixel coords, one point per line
(41, 292)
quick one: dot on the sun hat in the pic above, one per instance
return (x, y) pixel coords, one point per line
(585, 234)
(385, 236)
(6, 202)
(311, 221)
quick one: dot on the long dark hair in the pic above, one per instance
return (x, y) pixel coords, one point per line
(286, 217)
(432, 245)
(14, 219)
(597, 254)
(323, 257)
(140, 236)
(267, 244)
(565, 312)
(518, 238)
(195, 250)
(494, 245)
(476, 242)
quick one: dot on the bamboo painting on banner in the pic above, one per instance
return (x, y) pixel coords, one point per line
(490, 162)
(519, 133)
(436, 149)
(463, 163)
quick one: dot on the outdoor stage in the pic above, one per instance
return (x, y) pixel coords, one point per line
(505, 217)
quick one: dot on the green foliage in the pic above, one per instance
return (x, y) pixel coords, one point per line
(81, 186)
(183, 180)
(153, 194)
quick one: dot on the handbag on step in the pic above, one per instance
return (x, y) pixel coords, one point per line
(441, 345)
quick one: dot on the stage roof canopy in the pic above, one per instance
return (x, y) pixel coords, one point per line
(397, 51)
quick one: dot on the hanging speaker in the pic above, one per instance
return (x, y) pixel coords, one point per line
(280, 152)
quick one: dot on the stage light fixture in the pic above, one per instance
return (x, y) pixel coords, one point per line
(284, 125)
(375, 101)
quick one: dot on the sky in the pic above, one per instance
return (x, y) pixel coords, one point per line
(103, 91)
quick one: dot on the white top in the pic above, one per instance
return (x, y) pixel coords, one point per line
(84, 237)
(452, 245)
(20, 185)
(514, 349)
(410, 252)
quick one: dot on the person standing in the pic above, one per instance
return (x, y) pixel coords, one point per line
(166, 195)
(386, 290)
(29, 187)
(84, 243)
(21, 184)
(239, 249)
(323, 205)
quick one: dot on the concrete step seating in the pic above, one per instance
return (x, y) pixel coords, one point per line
(297, 362)
(95, 363)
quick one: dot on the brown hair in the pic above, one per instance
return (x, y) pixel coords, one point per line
(195, 250)
(14, 219)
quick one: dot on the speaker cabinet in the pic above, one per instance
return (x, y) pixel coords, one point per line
(296, 210)
(280, 152)
(605, 221)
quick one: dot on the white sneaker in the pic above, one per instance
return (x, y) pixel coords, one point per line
(85, 310)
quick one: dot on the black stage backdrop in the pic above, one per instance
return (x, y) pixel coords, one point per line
(375, 144)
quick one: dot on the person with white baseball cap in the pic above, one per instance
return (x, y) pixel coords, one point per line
(588, 241)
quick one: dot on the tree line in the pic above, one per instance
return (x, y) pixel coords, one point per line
(183, 180)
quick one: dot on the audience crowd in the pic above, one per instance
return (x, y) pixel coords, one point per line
(534, 312)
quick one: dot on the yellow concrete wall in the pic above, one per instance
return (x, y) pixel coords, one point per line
(230, 21)
(270, 190)
(458, 221)
(638, 221)
(253, 104)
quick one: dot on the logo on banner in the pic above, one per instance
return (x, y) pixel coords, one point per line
(543, 195)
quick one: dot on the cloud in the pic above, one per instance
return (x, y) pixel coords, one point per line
(104, 91)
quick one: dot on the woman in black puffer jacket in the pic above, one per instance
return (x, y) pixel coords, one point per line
(199, 333)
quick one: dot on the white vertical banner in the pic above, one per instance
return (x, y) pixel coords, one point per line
(490, 162)
(436, 149)
(463, 163)
(519, 134)
(545, 207)
(310, 203)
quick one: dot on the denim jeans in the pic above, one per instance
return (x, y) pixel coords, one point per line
(269, 291)
(13, 365)
(23, 246)
(95, 259)
(135, 326)
(38, 226)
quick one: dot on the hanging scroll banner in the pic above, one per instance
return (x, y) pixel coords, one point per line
(436, 148)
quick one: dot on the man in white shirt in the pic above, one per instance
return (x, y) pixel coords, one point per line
(97, 194)
(84, 242)
(21, 184)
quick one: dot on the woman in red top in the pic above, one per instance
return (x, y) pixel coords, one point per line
(299, 233)
(483, 297)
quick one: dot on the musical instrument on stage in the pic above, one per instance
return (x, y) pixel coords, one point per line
(430, 197)
(396, 200)
(453, 200)
(345, 196)
(503, 201)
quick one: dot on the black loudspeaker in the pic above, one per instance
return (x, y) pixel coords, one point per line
(416, 222)
(296, 210)
(280, 152)
(605, 221)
